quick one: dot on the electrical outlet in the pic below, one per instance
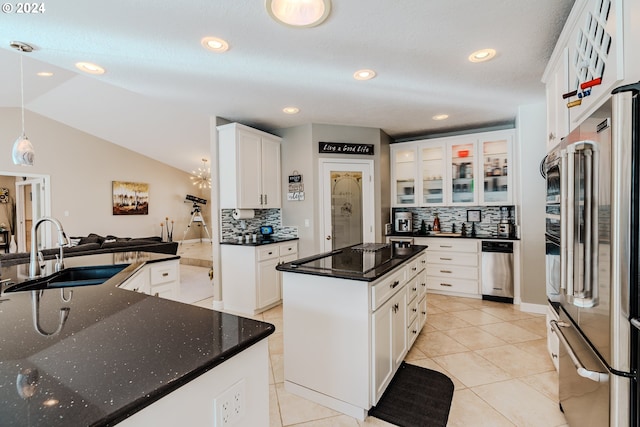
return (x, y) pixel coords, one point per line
(229, 405)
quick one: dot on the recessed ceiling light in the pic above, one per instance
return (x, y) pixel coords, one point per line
(215, 44)
(364, 74)
(90, 68)
(291, 110)
(440, 117)
(45, 74)
(299, 13)
(482, 55)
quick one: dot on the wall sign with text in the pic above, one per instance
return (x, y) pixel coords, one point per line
(345, 148)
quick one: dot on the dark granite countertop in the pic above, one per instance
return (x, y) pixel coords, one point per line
(455, 236)
(260, 241)
(347, 263)
(117, 352)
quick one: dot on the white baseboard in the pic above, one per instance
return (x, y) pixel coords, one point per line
(533, 308)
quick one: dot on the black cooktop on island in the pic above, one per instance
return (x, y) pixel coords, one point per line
(364, 261)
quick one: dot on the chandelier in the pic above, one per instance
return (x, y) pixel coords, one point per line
(201, 177)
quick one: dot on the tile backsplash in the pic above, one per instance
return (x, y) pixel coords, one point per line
(490, 217)
(273, 217)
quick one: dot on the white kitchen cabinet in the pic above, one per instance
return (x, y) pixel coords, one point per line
(160, 279)
(557, 84)
(389, 340)
(249, 164)
(250, 282)
(452, 265)
(359, 334)
(404, 174)
(468, 170)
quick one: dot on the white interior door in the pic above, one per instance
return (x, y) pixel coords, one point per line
(347, 202)
(31, 205)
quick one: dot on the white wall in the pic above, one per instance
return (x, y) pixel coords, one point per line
(531, 132)
(300, 152)
(82, 168)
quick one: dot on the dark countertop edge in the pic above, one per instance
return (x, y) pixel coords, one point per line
(340, 275)
(260, 242)
(451, 237)
(141, 403)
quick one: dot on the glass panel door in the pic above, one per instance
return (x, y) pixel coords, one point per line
(462, 170)
(432, 174)
(405, 173)
(496, 183)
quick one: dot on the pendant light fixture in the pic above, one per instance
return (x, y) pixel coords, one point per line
(22, 152)
(202, 177)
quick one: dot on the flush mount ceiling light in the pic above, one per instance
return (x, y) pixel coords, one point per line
(202, 177)
(364, 74)
(22, 152)
(215, 44)
(89, 67)
(299, 13)
(291, 110)
(482, 55)
(44, 74)
(440, 117)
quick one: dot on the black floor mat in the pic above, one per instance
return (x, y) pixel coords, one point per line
(416, 397)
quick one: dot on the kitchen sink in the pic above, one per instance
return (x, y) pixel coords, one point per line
(75, 276)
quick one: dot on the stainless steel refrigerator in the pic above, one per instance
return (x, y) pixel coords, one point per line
(597, 300)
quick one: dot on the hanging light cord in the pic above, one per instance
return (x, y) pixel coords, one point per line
(22, 92)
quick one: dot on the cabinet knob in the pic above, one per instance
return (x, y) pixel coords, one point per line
(328, 237)
(394, 284)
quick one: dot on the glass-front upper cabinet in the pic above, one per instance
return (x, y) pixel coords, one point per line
(432, 161)
(495, 149)
(463, 164)
(404, 163)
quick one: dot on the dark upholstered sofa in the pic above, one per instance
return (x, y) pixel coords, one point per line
(96, 244)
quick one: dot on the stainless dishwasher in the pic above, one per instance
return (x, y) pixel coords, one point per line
(497, 271)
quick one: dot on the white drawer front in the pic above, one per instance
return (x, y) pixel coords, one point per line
(453, 271)
(453, 258)
(412, 268)
(413, 289)
(412, 309)
(453, 285)
(288, 249)
(453, 245)
(386, 288)
(268, 252)
(163, 273)
(413, 331)
(422, 283)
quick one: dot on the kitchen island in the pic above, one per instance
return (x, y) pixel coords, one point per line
(350, 317)
(102, 354)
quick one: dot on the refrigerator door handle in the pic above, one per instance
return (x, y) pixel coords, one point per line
(635, 322)
(596, 376)
(569, 202)
(563, 221)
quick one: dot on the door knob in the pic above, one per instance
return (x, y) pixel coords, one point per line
(328, 237)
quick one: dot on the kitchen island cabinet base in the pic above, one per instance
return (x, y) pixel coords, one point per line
(327, 401)
(195, 402)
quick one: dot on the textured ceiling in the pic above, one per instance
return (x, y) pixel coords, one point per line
(161, 86)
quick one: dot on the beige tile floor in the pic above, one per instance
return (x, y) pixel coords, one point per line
(495, 355)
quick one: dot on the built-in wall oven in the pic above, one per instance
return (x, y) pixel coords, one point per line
(553, 228)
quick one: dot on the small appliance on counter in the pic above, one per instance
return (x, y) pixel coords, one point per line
(403, 222)
(266, 231)
(506, 227)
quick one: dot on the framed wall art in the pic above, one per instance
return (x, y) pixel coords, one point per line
(130, 198)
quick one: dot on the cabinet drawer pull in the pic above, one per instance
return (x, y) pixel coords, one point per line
(414, 310)
(423, 284)
(414, 289)
(446, 271)
(424, 312)
(446, 246)
(165, 274)
(445, 259)
(394, 284)
(414, 268)
(445, 284)
(270, 253)
(157, 294)
(290, 249)
(423, 261)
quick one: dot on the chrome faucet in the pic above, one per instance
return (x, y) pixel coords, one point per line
(36, 255)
